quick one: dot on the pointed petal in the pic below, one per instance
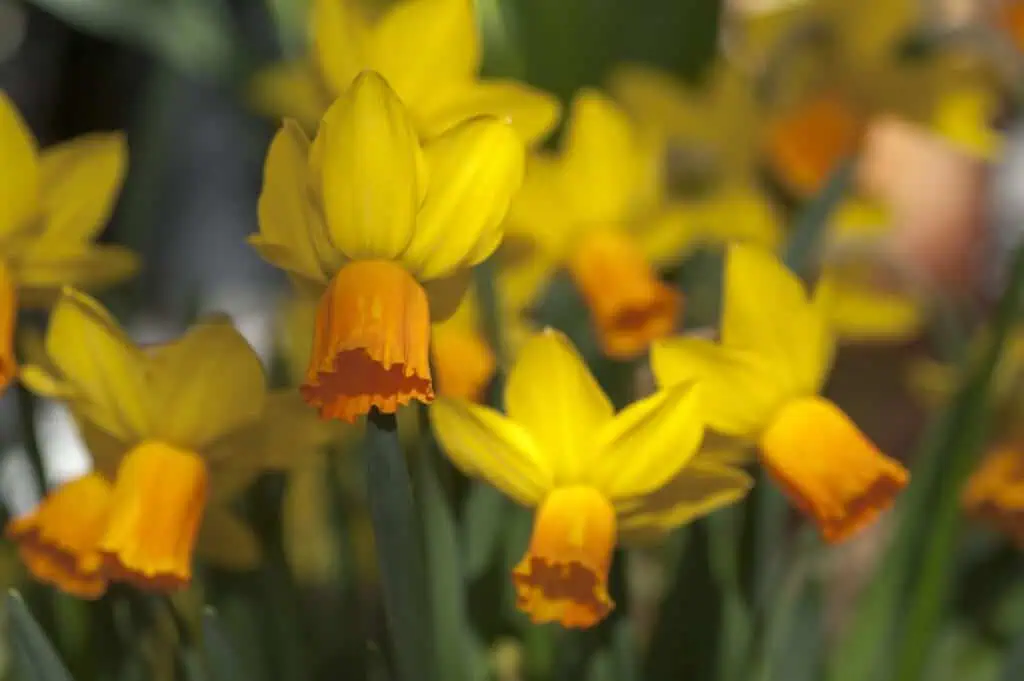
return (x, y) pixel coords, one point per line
(698, 490)
(532, 113)
(425, 46)
(286, 214)
(601, 158)
(552, 394)
(374, 176)
(485, 444)
(290, 90)
(738, 392)
(341, 33)
(206, 384)
(81, 181)
(767, 312)
(648, 443)
(475, 170)
(19, 172)
(106, 370)
(41, 275)
(859, 313)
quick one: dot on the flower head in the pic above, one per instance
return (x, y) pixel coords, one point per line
(594, 208)
(595, 477)
(429, 50)
(761, 383)
(53, 204)
(384, 231)
(174, 431)
(995, 491)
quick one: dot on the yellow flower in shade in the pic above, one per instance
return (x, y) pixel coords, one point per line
(595, 477)
(592, 208)
(384, 231)
(864, 302)
(429, 50)
(175, 431)
(53, 204)
(995, 491)
(761, 383)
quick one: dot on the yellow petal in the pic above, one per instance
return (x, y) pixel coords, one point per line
(540, 215)
(41, 275)
(734, 214)
(767, 312)
(206, 384)
(19, 171)
(532, 113)
(374, 176)
(475, 170)
(483, 443)
(739, 392)
(859, 313)
(337, 23)
(227, 542)
(552, 394)
(81, 181)
(601, 159)
(286, 214)
(699, 489)
(648, 443)
(43, 383)
(104, 367)
(421, 46)
(290, 90)
(964, 117)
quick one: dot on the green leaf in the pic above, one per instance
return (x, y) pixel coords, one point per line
(34, 656)
(812, 222)
(457, 658)
(222, 659)
(484, 517)
(399, 549)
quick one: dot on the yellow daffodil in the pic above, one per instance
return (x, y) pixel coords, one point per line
(595, 477)
(175, 430)
(429, 50)
(590, 209)
(52, 206)
(761, 383)
(995, 491)
(384, 231)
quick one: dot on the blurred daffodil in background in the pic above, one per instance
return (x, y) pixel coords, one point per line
(597, 478)
(430, 52)
(761, 383)
(53, 205)
(587, 209)
(175, 430)
(384, 230)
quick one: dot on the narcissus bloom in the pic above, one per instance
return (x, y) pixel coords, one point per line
(52, 206)
(430, 52)
(595, 477)
(592, 208)
(384, 231)
(175, 430)
(761, 383)
(995, 491)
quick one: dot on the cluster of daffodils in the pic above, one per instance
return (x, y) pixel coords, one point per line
(397, 172)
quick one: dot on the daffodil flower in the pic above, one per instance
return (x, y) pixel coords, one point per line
(384, 231)
(597, 478)
(175, 431)
(52, 206)
(591, 209)
(430, 52)
(994, 494)
(761, 384)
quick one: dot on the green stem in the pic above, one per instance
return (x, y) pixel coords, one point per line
(929, 589)
(399, 553)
